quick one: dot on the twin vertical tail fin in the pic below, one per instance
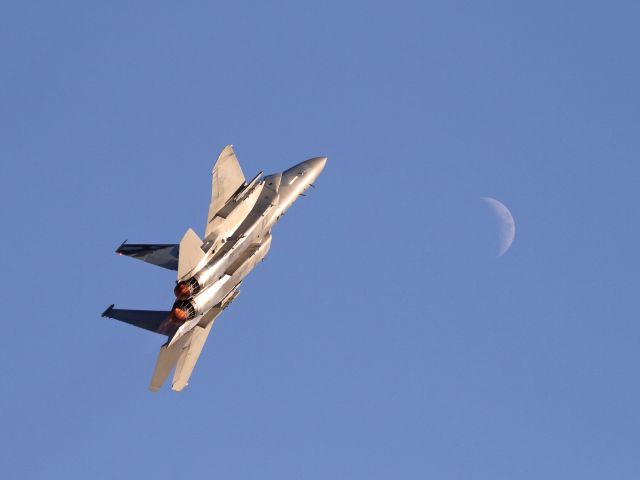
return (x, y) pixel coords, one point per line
(181, 356)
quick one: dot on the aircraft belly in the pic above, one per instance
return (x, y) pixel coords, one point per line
(252, 255)
(253, 230)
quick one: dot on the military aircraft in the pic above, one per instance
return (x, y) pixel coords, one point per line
(237, 237)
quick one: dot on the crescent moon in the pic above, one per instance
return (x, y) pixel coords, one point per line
(507, 224)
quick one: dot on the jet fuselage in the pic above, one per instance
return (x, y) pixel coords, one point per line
(210, 269)
(229, 260)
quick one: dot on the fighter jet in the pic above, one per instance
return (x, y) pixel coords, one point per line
(237, 237)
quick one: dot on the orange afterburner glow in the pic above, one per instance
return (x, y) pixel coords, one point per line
(178, 315)
(182, 291)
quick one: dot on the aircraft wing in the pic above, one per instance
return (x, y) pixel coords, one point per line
(183, 354)
(227, 178)
(163, 255)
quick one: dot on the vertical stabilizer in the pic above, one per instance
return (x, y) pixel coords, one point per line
(190, 254)
(167, 359)
(184, 353)
(189, 357)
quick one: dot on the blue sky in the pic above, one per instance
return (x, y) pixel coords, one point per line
(381, 338)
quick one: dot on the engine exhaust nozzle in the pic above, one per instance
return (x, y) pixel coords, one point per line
(178, 315)
(182, 291)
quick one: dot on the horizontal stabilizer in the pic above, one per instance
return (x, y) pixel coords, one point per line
(153, 320)
(164, 255)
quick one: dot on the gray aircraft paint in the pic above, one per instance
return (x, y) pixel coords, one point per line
(237, 238)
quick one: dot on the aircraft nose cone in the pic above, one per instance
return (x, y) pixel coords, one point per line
(317, 164)
(310, 168)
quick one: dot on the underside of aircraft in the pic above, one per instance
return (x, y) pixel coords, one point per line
(210, 270)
